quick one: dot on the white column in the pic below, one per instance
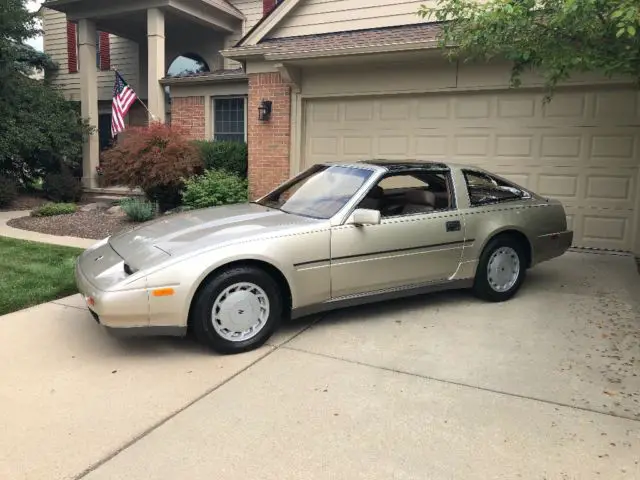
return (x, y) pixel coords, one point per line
(89, 99)
(156, 69)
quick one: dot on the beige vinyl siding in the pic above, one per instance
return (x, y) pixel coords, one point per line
(583, 148)
(325, 16)
(55, 45)
(252, 10)
(124, 57)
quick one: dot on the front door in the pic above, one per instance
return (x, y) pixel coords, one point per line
(401, 251)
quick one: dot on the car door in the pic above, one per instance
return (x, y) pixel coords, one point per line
(401, 251)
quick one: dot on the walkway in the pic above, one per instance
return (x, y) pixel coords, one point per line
(7, 231)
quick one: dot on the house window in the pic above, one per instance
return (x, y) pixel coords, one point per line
(229, 118)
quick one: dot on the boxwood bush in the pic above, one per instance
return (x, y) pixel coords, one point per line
(51, 209)
(213, 188)
(224, 155)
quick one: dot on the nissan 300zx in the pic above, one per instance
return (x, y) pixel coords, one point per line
(335, 235)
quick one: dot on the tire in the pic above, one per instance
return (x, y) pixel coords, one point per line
(241, 297)
(504, 286)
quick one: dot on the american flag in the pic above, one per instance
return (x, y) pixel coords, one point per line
(123, 98)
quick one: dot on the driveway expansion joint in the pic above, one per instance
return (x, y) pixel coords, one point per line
(464, 385)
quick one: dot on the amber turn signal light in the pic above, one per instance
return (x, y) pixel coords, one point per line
(163, 292)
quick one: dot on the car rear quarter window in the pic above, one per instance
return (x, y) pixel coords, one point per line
(485, 189)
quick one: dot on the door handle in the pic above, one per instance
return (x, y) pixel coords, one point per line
(454, 226)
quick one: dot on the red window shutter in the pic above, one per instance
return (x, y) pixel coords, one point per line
(105, 51)
(267, 6)
(72, 47)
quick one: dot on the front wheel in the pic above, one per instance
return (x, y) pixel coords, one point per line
(237, 310)
(501, 270)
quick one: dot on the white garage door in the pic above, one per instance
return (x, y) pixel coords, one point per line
(582, 148)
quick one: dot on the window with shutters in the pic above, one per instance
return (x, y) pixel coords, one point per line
(103, 54)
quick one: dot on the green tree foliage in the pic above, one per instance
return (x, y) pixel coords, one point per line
(39, 130)
(556, 38)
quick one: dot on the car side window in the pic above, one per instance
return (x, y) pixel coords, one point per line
(485, 189)
(409, 194)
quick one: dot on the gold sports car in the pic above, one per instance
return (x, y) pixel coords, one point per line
(335, 235)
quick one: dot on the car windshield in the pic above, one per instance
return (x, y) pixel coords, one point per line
(320, 192)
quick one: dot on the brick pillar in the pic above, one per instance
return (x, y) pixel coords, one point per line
(268, 140)
(188, 113)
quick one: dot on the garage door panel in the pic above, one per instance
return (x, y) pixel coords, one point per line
(611, 189)
(619, 106)
(582, 148)
(567, 107)
(357, 146)
(433, 108)
(430, 146)
(614, 147)
(602, 228)
(563, 185)
(562, 147)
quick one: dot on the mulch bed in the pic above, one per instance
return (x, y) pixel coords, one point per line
(94, 225)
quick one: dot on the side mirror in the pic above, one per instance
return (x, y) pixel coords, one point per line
(364, 216)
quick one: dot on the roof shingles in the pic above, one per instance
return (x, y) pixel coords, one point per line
(405, 34)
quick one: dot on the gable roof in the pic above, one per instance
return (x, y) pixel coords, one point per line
(267, 23)
(405, 37)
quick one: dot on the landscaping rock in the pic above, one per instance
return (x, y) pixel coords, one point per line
(94, 207)
(115, 210)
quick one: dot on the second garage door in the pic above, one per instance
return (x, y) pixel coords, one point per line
(582, 148)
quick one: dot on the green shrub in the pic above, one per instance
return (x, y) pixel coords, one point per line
(137, 209)
(224, 155)
(214, 187)
(62, 187)
(51, 209)
(8, 191)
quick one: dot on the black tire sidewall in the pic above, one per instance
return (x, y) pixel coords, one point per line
(201, 313)
(481, 286)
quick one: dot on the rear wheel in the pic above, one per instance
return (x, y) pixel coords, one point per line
(501, 269)
(237, 310)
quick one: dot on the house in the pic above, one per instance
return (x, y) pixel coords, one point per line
(353, 79)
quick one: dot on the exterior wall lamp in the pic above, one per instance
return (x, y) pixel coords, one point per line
(264, 110)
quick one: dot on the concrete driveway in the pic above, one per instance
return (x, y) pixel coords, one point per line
(545, 386)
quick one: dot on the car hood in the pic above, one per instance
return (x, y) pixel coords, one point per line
(186, 232)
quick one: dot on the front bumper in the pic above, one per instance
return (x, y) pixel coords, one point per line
(123, 313)
(121, 309)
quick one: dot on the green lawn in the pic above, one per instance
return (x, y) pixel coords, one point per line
(33, 273)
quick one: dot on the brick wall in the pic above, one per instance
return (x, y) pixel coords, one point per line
(188, 113)
(268, 141)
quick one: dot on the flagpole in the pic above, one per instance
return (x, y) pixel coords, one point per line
(153, 117)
